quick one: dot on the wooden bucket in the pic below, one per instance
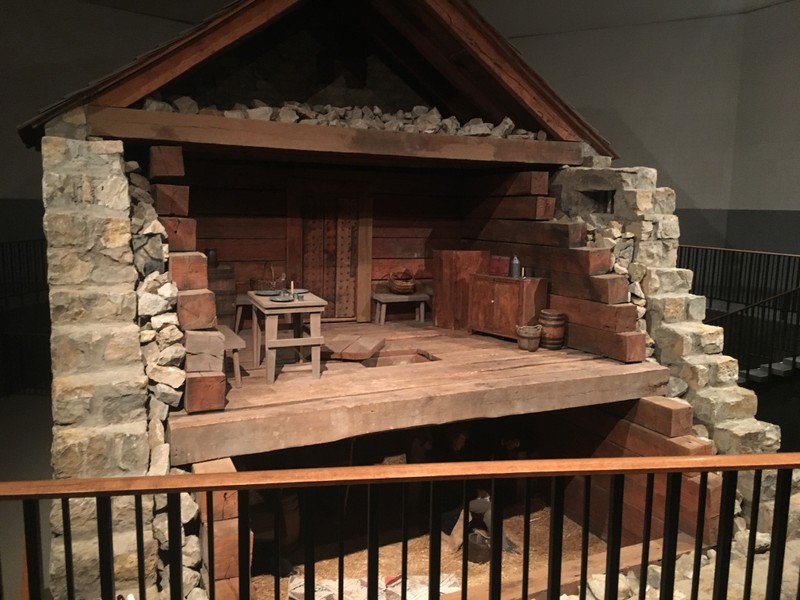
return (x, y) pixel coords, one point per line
(552, 323)
(529, 337)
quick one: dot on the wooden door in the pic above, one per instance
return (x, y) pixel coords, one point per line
(329, 246)
(330, 253)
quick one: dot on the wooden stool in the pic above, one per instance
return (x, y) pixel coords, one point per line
(384, 298)
(233, 343)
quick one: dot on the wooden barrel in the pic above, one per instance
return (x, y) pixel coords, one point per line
(552, 323)
(222, 283)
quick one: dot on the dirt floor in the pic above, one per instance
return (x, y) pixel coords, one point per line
(355, 563)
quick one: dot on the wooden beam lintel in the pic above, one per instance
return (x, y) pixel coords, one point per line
(293, 139)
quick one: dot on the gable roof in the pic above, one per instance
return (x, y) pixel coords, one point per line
(478, 63)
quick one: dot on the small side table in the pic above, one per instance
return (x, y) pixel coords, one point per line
(384, 298)
(310, 305)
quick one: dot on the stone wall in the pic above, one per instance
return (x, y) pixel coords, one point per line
(99, 390)
(625, 211)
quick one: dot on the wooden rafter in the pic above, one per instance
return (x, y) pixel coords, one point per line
(478, 67)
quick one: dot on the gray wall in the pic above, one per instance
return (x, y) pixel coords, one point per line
(710, 102)
(49, 49)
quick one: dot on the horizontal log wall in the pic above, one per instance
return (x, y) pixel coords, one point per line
(241, 211)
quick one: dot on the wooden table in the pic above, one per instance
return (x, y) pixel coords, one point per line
(310, 305)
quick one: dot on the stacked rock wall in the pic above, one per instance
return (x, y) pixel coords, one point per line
(99, 390)
(118, 353)
(626, 212)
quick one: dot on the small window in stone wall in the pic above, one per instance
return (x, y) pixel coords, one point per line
(603, 200)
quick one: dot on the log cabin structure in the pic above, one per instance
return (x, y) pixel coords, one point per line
(266, 146)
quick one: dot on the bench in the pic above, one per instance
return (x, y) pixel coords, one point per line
(233, 343)
(384, 298)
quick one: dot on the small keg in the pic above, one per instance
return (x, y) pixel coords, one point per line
(552, 322)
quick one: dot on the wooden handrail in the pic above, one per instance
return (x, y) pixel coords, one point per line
(327, 476)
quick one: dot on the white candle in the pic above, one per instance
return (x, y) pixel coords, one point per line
(291, 286)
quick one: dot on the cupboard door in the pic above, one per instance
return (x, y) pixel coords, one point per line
(506, 307)
(481, 304)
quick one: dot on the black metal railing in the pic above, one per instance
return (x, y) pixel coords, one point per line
(24, 318)
(23, 273)
(327, 494)
(765, 334)
(731, 279)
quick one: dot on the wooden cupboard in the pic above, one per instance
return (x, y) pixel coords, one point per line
(498, 304)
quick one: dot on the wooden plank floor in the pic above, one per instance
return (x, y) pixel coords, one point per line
(474, 376)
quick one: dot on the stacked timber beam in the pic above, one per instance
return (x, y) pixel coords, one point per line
(600, 318)
(205, 385)
(651, 426)
(223, 571)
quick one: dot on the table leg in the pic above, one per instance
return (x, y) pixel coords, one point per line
(377, 313)
(383, 313)
(270, 335)
(316, 368)
(297, 326)
(422, 311)
(315, 330)
(256, 343)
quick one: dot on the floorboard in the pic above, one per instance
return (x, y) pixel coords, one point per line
(470, 377)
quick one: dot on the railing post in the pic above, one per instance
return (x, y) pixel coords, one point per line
(174, 534)
(340, 530)
(556, 538)
(69, 567)
(614, 542)
(670, 548)
(105, 546)
(372, 543)
(33, 548)
(404, 545)
(464, 542)
(526, 539)
(725, 536)
(646, 527)
(435, 541)
(307, 529)
(587, 510)
(496, 540)
(243, 497)
(137, 504)
(780, 519)
(751, 541)
(699, 533)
